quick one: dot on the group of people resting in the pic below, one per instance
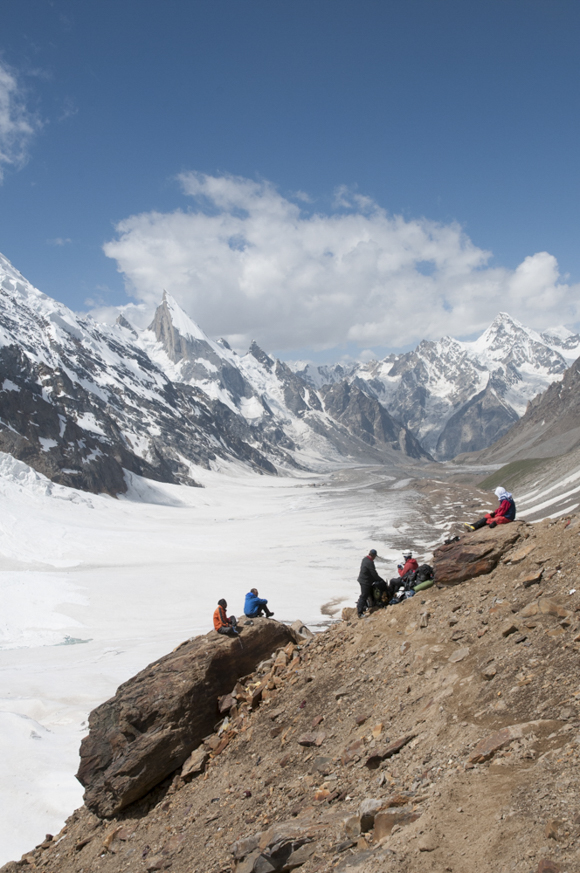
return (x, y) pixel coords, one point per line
(368, 578)
(253, 607)
(370, 581)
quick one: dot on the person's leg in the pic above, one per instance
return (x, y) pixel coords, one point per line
(263, 610)
(365, 593)
(479, 524)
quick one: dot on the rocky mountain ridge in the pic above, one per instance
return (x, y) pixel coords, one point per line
(81, 402)
(439, 734)
(457, 396)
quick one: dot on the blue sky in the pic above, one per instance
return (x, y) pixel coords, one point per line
(325, 176)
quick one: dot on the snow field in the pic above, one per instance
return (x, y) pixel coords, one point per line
(93, 589)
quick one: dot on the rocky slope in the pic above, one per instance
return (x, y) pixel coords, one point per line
(550, 426)
(440, 734)
(460, 396)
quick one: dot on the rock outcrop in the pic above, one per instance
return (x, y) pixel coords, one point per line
(475, 554)
(157, 718)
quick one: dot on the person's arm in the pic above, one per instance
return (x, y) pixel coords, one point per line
(375, 576)
(502, 509)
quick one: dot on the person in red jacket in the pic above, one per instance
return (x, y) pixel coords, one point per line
(222, 623)
(410, 565)
(505, 512)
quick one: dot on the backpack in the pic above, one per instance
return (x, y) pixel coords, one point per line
(423, 573)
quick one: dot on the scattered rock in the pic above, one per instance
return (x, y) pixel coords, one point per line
(312, 739)
(530, 609)
(459, 655)
(352, 827)
(195, 764)
(532, 577)
(427, 844)
(548, 866)
(323, 765)
(549, 607)
(385, 821)
(519, 554)
(301, 631)
(475, 555)
(381, 755)
(489, 673)
(367, 812)
(552, 829)
(508, 628)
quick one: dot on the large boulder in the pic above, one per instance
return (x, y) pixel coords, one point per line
(475, 554)
(157, 718)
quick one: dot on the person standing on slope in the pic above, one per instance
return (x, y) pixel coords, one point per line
(505, 512)
(368, 577)
(254, 605)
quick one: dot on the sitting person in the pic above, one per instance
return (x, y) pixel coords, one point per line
(222, 623)
(255, 605)
(505, 512)
(410, 565)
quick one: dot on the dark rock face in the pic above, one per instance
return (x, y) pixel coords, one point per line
(157, 718)
(482, 420)
(475, 554)
(365, 416)
(549, 427)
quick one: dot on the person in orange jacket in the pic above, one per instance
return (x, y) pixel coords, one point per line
(221, 622)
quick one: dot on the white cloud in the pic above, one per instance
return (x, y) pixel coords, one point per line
(246, 262)
(59, 241)
(17, 123)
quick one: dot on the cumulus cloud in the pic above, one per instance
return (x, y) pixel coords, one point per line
(17, 124)
(246, 262)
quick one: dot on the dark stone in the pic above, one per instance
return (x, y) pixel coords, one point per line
(475, 554)
(157, 718)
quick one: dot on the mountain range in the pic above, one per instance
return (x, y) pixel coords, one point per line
(82, 401)
(458, 396)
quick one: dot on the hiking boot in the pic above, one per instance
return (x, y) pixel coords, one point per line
(468, 526)
(269, 615)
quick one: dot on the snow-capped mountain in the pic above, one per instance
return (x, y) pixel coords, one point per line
(461, 396)
(81, 401)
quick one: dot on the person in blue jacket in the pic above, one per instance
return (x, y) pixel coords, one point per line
(255, 605)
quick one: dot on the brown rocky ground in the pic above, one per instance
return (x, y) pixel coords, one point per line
(442, 734)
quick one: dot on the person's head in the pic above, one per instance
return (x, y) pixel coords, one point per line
(223, 603)
(407, 555)
(254, 591)
(501, 493)
(373, 554)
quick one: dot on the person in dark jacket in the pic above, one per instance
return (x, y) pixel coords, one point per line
(222, 623)
(505, 512)
(255, 605)
(368, 577)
